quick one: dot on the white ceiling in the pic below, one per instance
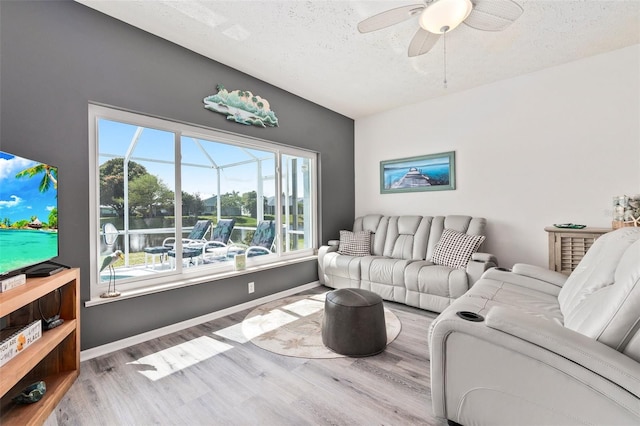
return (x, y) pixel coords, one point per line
(313, 48)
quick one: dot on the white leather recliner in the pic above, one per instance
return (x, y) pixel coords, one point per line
(531, 346)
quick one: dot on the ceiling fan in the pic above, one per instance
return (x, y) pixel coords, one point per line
(438, 17)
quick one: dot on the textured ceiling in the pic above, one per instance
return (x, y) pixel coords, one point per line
(313, 48)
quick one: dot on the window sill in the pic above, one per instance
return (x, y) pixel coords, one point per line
(129, 294)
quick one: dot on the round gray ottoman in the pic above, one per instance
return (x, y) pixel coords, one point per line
(353, 322)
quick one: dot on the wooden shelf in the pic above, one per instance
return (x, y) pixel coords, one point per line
(37, 413)
(14, 370)
(34, 289)
(54, 358)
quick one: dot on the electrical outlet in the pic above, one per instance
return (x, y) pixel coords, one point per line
(252, 287)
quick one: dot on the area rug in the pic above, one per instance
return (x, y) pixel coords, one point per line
(292, 327)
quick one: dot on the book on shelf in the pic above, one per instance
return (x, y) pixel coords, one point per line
(12, 282)
(19, 341)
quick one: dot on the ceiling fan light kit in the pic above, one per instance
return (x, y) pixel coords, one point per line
(437, 17)
(444, 15)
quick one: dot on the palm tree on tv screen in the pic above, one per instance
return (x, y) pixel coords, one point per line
(50, 176)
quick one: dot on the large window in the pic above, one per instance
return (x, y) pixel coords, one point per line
(174, 203)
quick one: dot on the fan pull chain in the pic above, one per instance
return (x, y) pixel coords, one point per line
(444, 44)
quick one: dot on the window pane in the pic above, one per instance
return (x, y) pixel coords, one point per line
(223, 181)
(297, 218)
(140, 207)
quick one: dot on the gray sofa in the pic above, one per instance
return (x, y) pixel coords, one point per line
(399, 264)
(539, 348)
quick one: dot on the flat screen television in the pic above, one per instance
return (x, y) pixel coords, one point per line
(28, 213)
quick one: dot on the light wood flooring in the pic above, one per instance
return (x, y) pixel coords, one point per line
(221, 381)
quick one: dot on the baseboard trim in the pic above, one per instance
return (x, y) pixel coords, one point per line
(97, 351)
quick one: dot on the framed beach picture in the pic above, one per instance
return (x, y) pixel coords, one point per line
(435, 172)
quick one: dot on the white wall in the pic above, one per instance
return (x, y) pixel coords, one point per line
(549, 147)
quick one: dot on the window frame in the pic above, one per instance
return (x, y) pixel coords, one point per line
(188, 276)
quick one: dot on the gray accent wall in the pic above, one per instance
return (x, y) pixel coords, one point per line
(58, 56)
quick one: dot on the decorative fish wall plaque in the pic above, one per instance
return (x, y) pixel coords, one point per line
(242, 106)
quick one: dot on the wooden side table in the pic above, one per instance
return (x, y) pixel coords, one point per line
(568, 246)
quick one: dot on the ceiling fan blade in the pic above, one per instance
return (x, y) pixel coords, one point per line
(422, 42)
(389, 17)
(493, 15)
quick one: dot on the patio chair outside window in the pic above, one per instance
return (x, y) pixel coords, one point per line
(261, 243)
(220, 238)
(196, 235)
(195, 250)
